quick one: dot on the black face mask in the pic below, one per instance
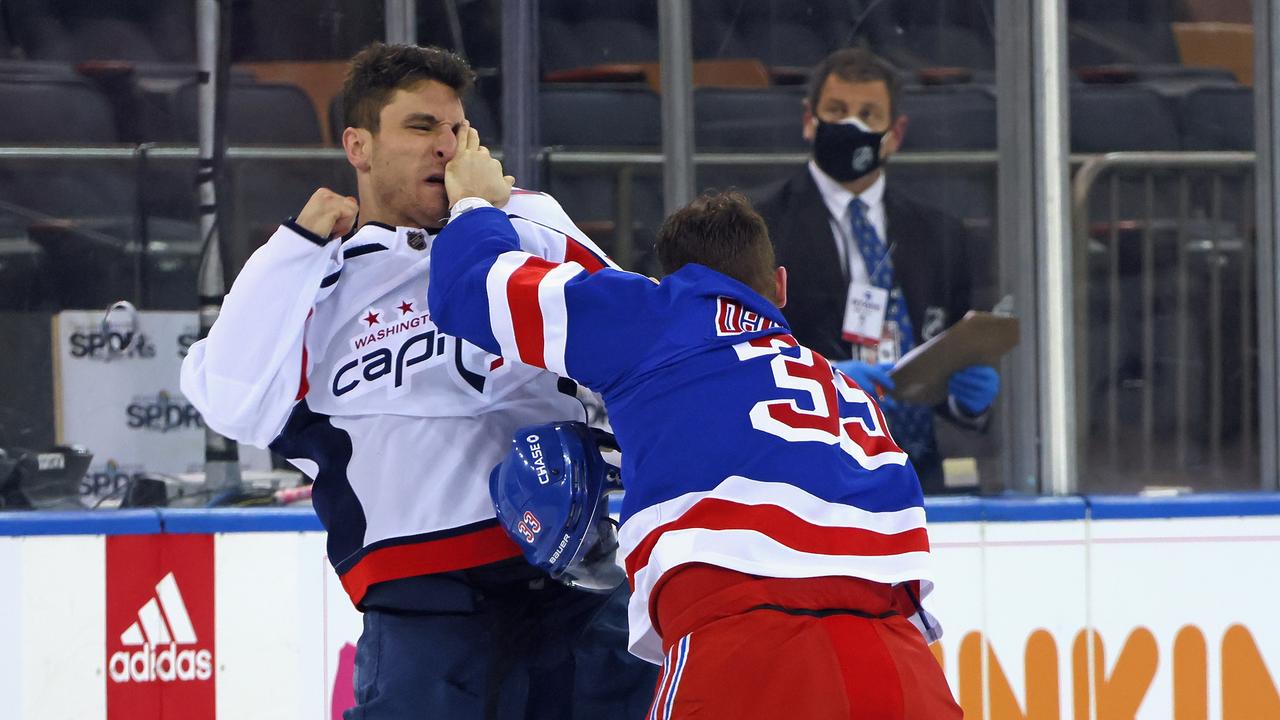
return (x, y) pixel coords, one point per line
(847, 150)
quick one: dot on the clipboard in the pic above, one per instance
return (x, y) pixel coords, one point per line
(980, 338)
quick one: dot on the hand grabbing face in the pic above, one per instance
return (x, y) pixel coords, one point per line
(474, 173)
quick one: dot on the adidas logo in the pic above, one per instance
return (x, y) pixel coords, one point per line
(163, 625)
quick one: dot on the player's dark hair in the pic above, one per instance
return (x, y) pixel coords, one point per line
(723, 232)
(376, 72)
(855, 65)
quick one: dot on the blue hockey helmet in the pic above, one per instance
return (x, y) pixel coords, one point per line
(550, 494)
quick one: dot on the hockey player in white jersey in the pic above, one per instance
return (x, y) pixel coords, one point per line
(325, 352)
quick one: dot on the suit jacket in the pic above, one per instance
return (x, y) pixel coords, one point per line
(933, 259)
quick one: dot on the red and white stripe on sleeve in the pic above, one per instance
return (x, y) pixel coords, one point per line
(527, 308)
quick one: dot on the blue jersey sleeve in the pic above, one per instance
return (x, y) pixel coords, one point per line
(592, 327)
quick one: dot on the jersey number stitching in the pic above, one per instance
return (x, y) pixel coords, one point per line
(862, 432)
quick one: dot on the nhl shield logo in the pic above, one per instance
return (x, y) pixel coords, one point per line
(862, 159)
(935, 321)
(416, 239)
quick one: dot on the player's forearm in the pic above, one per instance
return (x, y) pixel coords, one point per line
(267, 307)
(462, 256)
(245, 376)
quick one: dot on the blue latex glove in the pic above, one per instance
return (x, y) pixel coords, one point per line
(873, 379)
(974, 388)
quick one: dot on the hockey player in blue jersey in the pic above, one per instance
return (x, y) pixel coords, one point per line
(325, 351)
(773, 531)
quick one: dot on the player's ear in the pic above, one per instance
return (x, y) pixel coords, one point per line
(780, 287)
(357, 142)
(809, 128)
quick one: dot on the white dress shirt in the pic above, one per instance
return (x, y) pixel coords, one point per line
(837, 200)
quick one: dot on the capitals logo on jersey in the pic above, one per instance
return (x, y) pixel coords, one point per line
(394, 344)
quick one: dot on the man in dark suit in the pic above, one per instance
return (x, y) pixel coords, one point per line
(872, 272)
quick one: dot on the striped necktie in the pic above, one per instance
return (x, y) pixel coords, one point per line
(912, 425)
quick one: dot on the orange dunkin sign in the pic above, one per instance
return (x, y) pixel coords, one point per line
(1248, 688)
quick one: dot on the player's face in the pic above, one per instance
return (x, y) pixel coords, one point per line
(415, 140)
(866, 100)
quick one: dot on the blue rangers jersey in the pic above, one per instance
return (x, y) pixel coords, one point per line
(741, 448)
(325, 351)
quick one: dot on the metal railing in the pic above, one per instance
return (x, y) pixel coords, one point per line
(152, 206)
(1171, 238)
(625, 165)
(654, 160)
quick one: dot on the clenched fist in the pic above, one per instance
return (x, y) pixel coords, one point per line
(474, 173)
(328, 214)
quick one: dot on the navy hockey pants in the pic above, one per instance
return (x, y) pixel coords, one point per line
(543, 653)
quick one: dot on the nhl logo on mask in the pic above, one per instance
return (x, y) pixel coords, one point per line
(863, 157)
(847, 150)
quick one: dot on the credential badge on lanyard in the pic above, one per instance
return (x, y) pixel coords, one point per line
(864, 314)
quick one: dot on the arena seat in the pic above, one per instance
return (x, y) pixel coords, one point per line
(258, 191)
(80, 213)
(586, 33)
(1110, 41)
(306, 29)
(68, 109)
(961, 117)
(23, 280)
(614, 116)
(715, 38)
(337, 120)
(484, 109)
(944, 46)
(754, 120)
(558, 46)
(788, 44)
(70, 30)
(55, 111)
(748, 118)
(599, 115)
(614, 41)
(175, 116)
(573, 11)
(7, 48)
(1106, 118)
(1218, 118)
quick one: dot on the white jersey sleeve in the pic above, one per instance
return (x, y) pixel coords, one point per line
(247, 375)
(546, 231)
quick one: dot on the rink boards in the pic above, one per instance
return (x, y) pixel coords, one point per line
(1052, 608)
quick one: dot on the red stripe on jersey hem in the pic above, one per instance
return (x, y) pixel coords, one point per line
(784, 527)
(575, 251)
(526, 313)
(458, 552)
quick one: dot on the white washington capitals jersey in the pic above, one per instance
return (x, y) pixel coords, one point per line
(325, 352)
(741, 448)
